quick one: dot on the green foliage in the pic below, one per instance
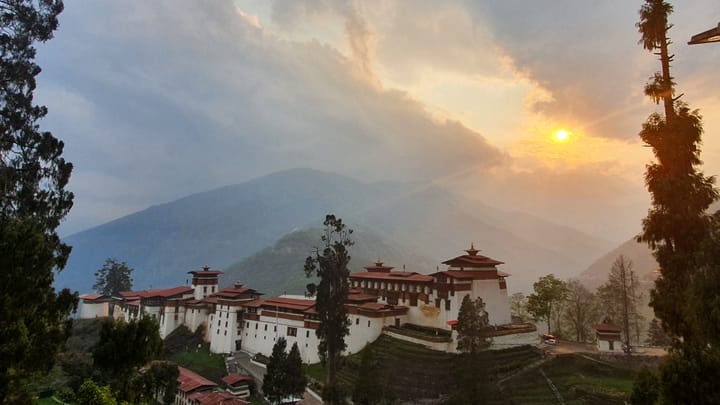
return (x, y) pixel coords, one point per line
(201, 361)
(472, 326)
(549, 294)
(33, 318)
(369, 388)
(518, 307)
(124, 347)
(657, 336)
(645, 389)
(472, 384)
(619, 299)
(158, 381)
(90, 393)
(284, 376)
(676, 223)
(275, 380)
(33, 176)
(295, 374)
(690, 375)
(331, 267)
(114, 276)
(581, 311)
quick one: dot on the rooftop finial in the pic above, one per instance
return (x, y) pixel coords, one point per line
(206, 267)
(472, 251)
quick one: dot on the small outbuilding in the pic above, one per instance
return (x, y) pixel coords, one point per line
(239, 385)
(94, 306)
(609, 337)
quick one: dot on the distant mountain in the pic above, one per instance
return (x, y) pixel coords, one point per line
(279, 269)
(223, 226)
(644, 264)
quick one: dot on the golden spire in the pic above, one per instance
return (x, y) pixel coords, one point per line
(472, 251)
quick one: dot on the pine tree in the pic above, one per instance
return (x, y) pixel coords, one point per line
(114, 276)
(331, 267)
(657, 336)
(275, 382)
(676, 223)
(620, 298)
(33, 176)
(297, 381)
(472, 326)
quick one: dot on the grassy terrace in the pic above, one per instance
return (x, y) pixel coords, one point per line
(578, 379)
(413, 371)
(203, 362)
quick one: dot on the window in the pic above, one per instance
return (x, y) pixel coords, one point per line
(447, 305)
(307, 335)
(225, 333)
(291, 331)
(204, 290)
(612, 345)
(256, 325)
(437, 302)
(275, 328)
(368, 324)
(226, 324)
(265, 327)
(217, 332)
(219, 322)
(247, 324)
(357, 321)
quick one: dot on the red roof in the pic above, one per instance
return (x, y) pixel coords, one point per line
(607, 328)
(253, 304)
(232, 379)
(470, 274)
(190, 381)
(216, 398)
(472, 261)
(165, 292)
(394, 276)
(289, 303)
(379, 267)
(205, 272)
(94, 297)
(232, 292)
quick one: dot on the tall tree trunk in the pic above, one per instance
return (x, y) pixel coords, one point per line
(667, 80)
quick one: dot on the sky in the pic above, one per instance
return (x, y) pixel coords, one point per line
(158, 100)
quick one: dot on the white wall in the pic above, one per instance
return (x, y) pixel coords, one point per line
(604, 346)
(90, 310)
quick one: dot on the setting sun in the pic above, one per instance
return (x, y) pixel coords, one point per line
(561, 135)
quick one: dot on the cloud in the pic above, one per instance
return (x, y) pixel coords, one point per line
(188, 97)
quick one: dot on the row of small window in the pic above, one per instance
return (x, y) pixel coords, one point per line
(391, 286)
(265, 337)
(291, 331)
(357, 322)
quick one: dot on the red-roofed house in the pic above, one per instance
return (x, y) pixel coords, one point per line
(609, 337)
(239, 385)
(190, 383)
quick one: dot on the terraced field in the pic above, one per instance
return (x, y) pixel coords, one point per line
(578, 379)
(412, 371)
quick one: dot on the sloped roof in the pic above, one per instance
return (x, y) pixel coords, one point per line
(607, 328)
(216, 398)
(190, 381)
(393, 276)
(232, 379)
(289, 303)
(165, 292)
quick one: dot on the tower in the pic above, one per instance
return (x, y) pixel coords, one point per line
(204, 282)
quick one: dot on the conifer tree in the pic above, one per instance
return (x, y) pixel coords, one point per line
(331, 267)
(677, 222)
(368, 386)
(33, 201)
(275, 382)
(113, 277)
(472, 326)
(297, 381)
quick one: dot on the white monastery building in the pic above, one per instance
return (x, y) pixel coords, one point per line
(381, 300)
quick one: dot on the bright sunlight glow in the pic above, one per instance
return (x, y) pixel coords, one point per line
(561, 135)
